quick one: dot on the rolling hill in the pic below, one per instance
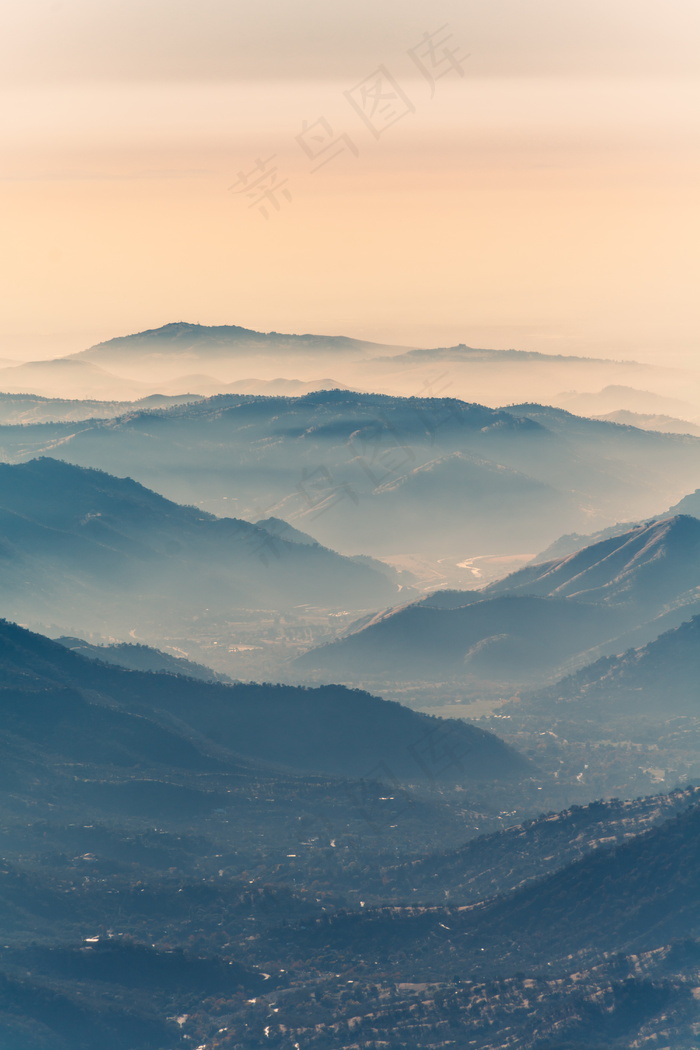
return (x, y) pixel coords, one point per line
(508, 859)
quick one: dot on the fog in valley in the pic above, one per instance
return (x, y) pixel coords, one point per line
(349, 672)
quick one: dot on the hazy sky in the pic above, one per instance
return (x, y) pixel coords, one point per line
(540, 191)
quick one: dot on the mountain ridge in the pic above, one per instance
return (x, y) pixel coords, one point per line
(73, 531)
(322, 730)
(537, 618)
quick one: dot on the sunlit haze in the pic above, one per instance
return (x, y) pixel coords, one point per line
(541, 194)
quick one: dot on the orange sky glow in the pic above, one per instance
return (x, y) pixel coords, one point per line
(540, 194)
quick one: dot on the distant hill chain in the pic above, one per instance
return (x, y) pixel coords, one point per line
(350, 713)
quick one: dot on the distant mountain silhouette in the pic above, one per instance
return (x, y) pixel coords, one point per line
(614, 398)
(463, 354)
(28, 408)
(650, 421)
(286, 387)
(135, 657)
(196, 341)
(65, 375)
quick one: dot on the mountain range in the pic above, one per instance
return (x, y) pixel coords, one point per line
(78, 545)
(175, 864)
(77, 710)
(362, 473)
(189, 858)
(505, 639)
(181, 357)
(196, 342)
(27, 408)
(652, 567)
(537, 618)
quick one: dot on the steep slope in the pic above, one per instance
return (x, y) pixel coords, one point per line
(330, 730)
(651, 566)
(285, 531)
(575, 542)
(622, 588)
(69, 535)
(660, 678)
